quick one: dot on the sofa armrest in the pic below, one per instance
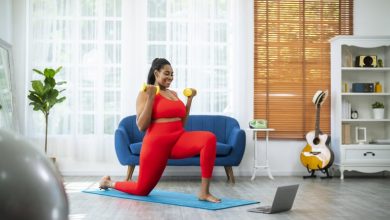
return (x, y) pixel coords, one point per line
(237, 140)
(122, 142)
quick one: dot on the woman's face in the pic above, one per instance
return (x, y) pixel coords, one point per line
(164, 76)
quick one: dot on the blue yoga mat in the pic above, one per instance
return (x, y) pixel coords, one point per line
(175, 198)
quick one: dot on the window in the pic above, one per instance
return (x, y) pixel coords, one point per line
(194, 37)
(85, 38)
(292, 61)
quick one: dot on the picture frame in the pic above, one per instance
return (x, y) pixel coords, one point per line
(361, 135)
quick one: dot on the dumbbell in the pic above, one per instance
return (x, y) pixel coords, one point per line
(188, 92)
(144, 86)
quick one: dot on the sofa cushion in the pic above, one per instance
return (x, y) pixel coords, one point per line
(222, 149)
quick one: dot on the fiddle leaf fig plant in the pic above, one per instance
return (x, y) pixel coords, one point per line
(44, 94)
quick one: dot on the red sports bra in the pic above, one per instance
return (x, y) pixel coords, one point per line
(166, 108)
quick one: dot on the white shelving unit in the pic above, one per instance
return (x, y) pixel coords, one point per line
(364, 157)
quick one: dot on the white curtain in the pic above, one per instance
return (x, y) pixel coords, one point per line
(105, 48)
(6, 108)
(195, 36)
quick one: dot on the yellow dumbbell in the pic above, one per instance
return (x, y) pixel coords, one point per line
(144, 86)
(188, 92)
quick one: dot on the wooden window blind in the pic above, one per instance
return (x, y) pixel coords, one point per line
(292, 61)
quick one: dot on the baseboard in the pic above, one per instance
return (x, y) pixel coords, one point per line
(180, 171)
(101, 170)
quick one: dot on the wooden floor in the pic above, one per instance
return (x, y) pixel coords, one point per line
(352, 198)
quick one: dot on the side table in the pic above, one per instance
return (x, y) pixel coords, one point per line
(265, 165)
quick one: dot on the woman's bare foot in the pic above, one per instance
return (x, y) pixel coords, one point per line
(105, 183)
(209, 198)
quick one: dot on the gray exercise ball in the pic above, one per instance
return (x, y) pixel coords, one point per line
(30, 186)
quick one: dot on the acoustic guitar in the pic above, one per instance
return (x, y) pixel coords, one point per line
(317, 155)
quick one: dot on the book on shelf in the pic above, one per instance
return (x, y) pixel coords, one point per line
(346, 108)
(346, 134)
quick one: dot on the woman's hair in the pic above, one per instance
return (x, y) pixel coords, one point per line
(157, 64)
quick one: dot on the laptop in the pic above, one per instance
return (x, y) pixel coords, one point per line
(283, 201)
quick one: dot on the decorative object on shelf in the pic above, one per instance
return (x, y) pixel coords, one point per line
(366, 61)
(361, 135)
(378, 87)
(380, 141)
(258, 124)
(363, 87)
(354, 114)
(378, 109)
(348, 58)
(317, 155)
(380, 63)
(345, 87)
(44, 95)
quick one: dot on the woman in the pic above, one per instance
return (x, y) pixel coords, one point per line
(163, 117)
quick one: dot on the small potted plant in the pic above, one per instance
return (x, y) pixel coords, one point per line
(378, 109)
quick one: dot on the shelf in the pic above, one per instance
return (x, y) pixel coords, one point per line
(365, 157)
(365, 94)
(365, 69)
(366, 120)
(358, 146)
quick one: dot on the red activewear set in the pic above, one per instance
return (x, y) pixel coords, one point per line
(169, 140)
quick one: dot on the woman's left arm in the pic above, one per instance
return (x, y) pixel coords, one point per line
(188, 106)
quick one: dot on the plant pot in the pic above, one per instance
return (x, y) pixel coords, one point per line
(379, 113)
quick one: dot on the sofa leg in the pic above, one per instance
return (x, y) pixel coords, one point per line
(130, 170)
(229, 174)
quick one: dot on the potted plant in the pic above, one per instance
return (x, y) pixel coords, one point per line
(44, 95)
(378, 109)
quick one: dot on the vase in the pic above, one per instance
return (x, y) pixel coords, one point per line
(379, 113)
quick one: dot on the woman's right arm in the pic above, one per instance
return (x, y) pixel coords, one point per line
(144, 108)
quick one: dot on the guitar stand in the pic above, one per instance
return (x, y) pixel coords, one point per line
(327, 174)
(312, 175)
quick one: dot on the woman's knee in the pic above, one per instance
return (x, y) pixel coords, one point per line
(209, 136)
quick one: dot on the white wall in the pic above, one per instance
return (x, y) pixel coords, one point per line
(19, 35)
(6, 20)
(370, 18)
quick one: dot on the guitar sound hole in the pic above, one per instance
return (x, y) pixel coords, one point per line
(316, 141)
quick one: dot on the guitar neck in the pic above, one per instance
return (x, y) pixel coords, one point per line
(317, 120)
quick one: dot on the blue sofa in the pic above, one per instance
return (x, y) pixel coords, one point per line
(230, 142)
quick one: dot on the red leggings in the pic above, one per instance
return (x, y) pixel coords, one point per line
(165, 141)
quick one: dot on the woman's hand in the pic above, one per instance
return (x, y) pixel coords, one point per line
(151, 90)
(193, 93)
(189, 92)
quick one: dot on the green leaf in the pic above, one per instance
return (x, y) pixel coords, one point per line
(58, 69)
(50, 73)
(51, 82)
(61, 99)
(38, 87)
(38, 71)
(52, 94)
(61, 83)
(52, 97)
(62, 90)
(34, 98)
(37, 107)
